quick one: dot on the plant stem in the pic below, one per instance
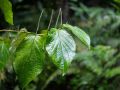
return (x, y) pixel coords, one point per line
(38, 25)
(16, 31)
(61, 17)
(58, 18)
(50, 19)
(8, 30)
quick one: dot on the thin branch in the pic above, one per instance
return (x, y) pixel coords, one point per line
(50, 19)
(4, 30)
(16, 31)
(58, 18)
(61, 17)
(38, 25)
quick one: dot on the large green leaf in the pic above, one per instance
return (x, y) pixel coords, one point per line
(79, 33)
(16, 41)
(6, 8)
(61, 48)
(4, 52)
(29, 58)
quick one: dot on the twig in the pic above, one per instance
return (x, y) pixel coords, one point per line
(50, 19)
(4, 30)
(38, 25)
(61, 17)
(58, 18)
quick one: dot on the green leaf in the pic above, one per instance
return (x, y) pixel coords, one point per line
(4, 52)
(86, 59)
(6, 8)
(113, 60)
(19, 38)
(117, 1)
(85, 39)
(104, 53)
(61, 48)
(29, 58)
(112, 72)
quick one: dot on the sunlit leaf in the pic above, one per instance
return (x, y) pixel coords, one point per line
(61, 48)
(29, 58)
(6, 7)
(4, 52)
(79, 33)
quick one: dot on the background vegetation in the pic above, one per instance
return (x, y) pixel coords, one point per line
(96, 69)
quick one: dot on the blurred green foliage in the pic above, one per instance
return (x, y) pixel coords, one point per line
(101, 24)
(98, 67)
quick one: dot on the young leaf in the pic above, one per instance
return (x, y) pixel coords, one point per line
(61, 48)
(6, 8)
(4, 52)
(85, 39)
(29, 57)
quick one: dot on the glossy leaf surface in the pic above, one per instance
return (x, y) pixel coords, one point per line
(85, 39)
(61, 48)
